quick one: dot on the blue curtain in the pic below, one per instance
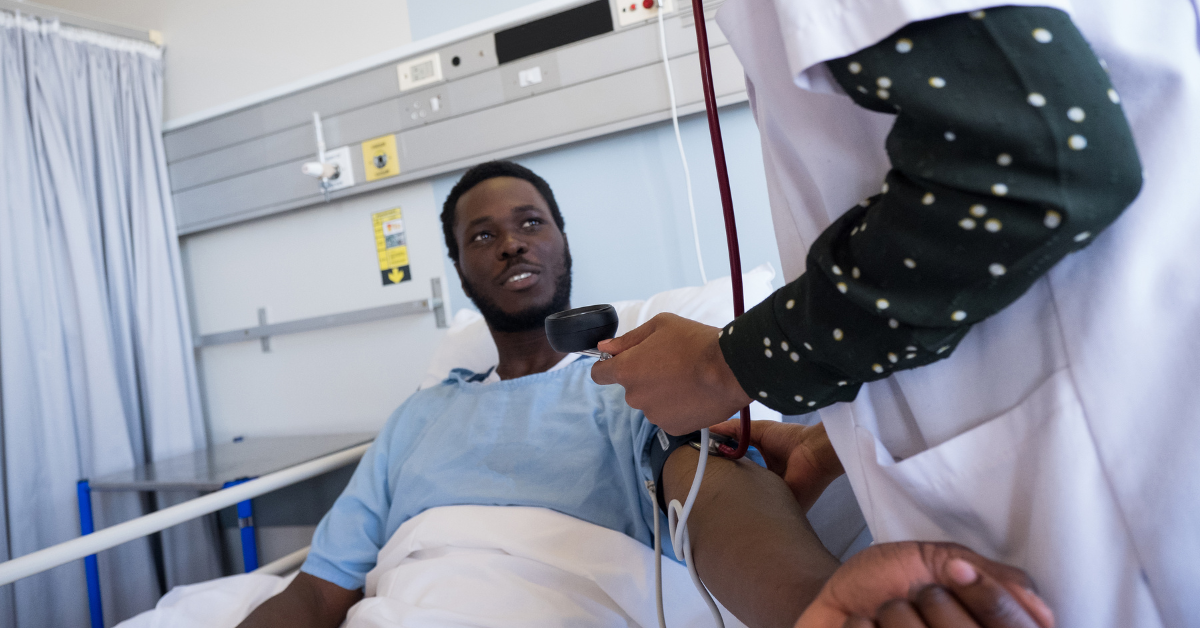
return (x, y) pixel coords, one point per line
(96, 368)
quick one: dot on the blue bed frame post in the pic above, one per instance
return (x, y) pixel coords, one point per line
(91, 568)
(245, 513)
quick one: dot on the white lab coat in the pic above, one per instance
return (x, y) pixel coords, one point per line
(1063, 435)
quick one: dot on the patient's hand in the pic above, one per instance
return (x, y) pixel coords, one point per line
(912, 584)
(801, 455)
(308, 602)
(673, 370)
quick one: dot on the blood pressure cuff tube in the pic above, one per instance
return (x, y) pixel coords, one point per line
(661, 448)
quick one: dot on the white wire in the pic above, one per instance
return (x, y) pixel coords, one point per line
(662, 618)
(687, 174)
(677, 516)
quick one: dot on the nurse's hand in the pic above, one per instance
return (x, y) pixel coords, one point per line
(673, 370)
(939, 585)
(937, 607)
(800, 454)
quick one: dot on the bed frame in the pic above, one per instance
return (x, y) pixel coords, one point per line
(89, 543)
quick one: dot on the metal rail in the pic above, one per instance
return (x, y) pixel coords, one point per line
(75, 549)
(265, 330)
(283, 566)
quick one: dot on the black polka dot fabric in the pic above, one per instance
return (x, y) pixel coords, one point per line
(1009, 151)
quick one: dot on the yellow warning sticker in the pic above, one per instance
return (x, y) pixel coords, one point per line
(392, 246)
(379, 157)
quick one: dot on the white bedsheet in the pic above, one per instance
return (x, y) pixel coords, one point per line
(220, 603)
(478, 566)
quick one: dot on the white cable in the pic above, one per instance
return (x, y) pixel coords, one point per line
(687, 174)
(677, 516)
(662, 618)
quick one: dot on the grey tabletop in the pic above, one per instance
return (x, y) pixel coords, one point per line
(210, 469)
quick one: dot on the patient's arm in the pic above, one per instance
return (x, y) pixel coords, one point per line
(308, 602)
(752, 544)
(757, 554)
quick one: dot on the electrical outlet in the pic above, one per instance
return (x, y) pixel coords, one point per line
(341, 158)
(634, 11)
(419, 72)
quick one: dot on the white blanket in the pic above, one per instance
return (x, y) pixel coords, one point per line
(478, 566)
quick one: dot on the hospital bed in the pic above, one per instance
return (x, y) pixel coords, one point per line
(467, 344)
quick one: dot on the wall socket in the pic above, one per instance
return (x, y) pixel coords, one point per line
(634, 11)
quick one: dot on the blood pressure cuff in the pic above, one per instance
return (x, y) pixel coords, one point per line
(661, 448)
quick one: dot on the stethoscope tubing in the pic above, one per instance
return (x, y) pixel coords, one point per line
(731, 239)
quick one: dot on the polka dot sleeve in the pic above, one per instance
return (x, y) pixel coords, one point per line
(1009, 151)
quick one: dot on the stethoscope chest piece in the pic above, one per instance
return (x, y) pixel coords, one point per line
(579, 330)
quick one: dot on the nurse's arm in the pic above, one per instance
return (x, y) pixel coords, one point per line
(308, 602)
(1009, 152)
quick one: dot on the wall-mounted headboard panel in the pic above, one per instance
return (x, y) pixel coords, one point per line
(245, 164)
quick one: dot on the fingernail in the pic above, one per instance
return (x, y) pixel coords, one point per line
(1035, 603)
(961, 572)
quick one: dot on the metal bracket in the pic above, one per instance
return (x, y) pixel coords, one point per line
(262, 322)
(438, 304)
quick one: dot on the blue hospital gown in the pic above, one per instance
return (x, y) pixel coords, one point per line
(555, 440)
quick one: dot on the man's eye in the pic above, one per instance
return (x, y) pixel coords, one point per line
(480, 237)
(532, 222)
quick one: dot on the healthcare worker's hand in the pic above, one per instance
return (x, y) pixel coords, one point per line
(673, 370)
(800, 454)
(934, 585)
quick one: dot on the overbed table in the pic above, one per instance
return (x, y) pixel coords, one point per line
(220, 466)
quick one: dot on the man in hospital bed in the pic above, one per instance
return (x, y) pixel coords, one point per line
(535, 434)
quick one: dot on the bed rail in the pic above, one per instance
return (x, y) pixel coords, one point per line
(285, 565)
(75, 549)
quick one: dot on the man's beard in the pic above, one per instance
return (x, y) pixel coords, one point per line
(528, 319)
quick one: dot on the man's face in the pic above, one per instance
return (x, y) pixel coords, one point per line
(513, 260)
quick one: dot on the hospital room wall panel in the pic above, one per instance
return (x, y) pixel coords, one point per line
(281, 114)
(475, 92)
(242, 194)
(207, 174)
(232, 142)
(232, 167)
(604, 101)
(304, 264)
(238, 159)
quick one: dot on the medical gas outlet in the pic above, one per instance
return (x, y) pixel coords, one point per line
(335, 172)
(632, 12)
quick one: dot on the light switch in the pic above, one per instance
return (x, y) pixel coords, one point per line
(531, 76)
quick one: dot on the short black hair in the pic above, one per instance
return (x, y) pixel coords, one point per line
(490, 170)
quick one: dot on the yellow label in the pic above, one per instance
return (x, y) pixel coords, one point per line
(379, 157)
(391, 244)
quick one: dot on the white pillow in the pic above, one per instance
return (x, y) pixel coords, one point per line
(468, 344)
